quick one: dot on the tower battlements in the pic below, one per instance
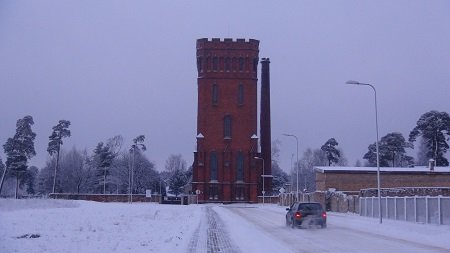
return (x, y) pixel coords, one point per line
(227, 43)
(227, 58)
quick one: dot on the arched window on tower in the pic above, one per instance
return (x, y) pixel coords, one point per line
(215, 63)
(199, 64)
(240, 167)
(241, 64)
(215, 94)
(227, 127)
(241, 94)
(255, 64)
(227, 64)
(213, 164)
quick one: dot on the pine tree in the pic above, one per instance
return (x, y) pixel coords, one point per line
(19, 149)
(331, 151)
(433, 127)
(54, 146)
(138, 146)
(103, 157)
(392, 151)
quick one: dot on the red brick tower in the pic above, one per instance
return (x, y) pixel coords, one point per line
(224, 168)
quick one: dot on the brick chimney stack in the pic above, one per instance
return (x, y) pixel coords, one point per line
(265, 128)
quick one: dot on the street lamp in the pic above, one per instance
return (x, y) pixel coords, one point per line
(263, 176)
(376, 143)
(296, 139)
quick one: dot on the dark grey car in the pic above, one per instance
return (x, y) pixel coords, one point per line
(306, 214)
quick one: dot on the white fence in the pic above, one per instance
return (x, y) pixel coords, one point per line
(433, 210)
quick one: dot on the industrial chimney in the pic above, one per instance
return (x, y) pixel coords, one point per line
(265, 129)
(431, 164)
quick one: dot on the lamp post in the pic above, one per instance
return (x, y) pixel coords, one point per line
(296, 139)
(263, 175)
(376, 143)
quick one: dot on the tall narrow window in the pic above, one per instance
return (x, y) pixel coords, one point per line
(255, 64)
(215, 94)
(213, 166)
(241, 94)
(227, 126)
(199, 64)
(227, 64)
(240, 167)
(241, 64)
(215, 63)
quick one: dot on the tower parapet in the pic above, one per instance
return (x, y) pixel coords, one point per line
(216, 43)
(227, 58)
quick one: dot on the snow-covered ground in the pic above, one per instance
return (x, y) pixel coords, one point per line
(43, 225)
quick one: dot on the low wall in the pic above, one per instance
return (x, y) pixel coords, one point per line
(106, 197)
(406, 192)
(331, 201)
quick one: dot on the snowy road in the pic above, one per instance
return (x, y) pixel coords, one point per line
(340, 236)
(59, 226)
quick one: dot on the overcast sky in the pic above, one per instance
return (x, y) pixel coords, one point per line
(128, 68)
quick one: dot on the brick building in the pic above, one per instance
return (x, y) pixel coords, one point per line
(353, 179)
(224, 167)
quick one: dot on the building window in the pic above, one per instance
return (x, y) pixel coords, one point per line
(215, 94)
(241, 64)
(207, 64)
(213, 164)
(227, 64)
(255, 64)
(227, 126)
(215, 63)
(240, 167)
(199, 64)
(241, 94)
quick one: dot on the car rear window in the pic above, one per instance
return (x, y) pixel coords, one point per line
(310, 207)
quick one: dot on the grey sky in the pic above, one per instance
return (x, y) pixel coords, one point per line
(128, 67)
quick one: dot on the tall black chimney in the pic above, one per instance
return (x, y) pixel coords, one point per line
(265, 129)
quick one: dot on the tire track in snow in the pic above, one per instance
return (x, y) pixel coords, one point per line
(211, 236)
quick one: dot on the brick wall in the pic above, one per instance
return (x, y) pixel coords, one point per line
(357, 181)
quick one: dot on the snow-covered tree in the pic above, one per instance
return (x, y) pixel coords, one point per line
(280, 178)
(176, 172)
(29, 180)
(75, 171)
(422, 158)
(60, 131)
(2, 170)
(19, 149)
(434, 128)
(104, 155)
(137, 147)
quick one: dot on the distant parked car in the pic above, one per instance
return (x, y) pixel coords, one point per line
(306, 214)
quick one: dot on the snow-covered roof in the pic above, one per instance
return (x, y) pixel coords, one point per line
(382, 169)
